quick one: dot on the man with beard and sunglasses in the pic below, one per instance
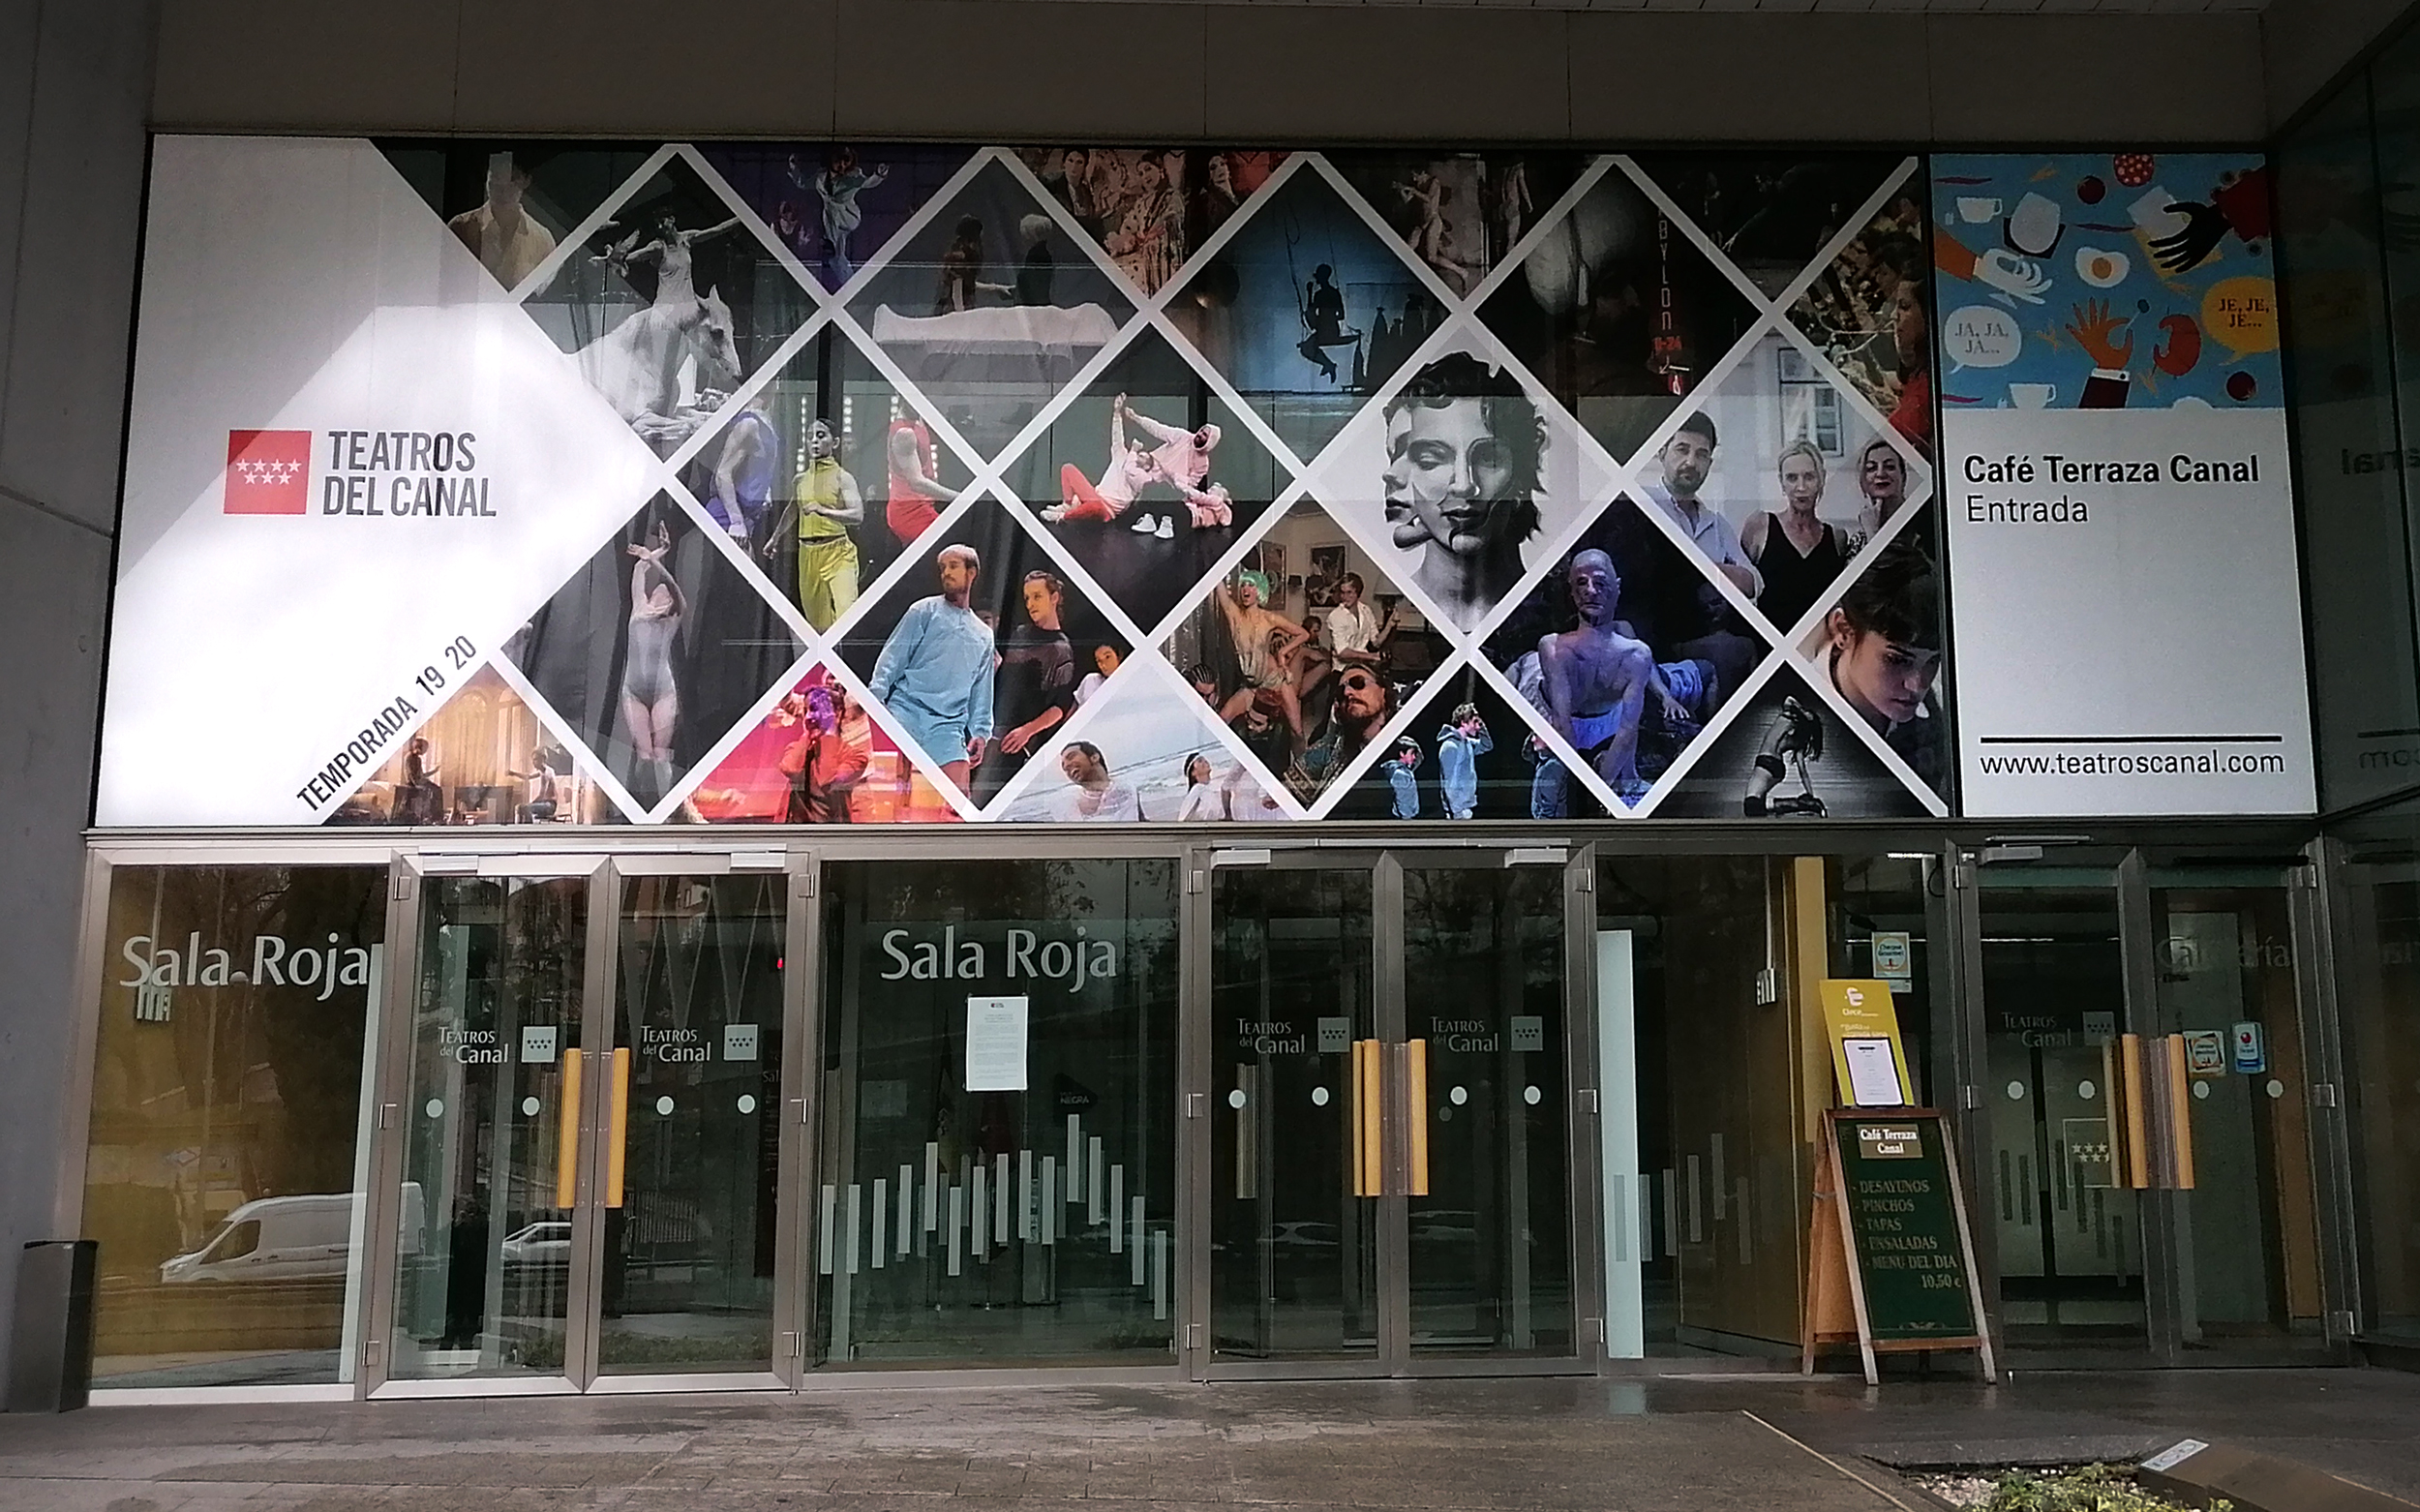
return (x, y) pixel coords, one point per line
(1364, 702)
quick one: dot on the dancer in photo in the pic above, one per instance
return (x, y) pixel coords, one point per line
(499, 232)
(1205, 799)
(917, 492)
(1356, 630)
(1129, 468)
(1035, 690)
(1431, 236)
(1183, 459)
(744, 465)
(418, 799)
(650, 700)
(1323, 319)
(838, 186)
(962, 285)
(1106, 661)
(1796, 554)
(934, 673)
(638, 364)
(544, 789)
(1464, 450)
(1885, 652)
(1097, 795)
(1882, 480)
(1264, 649)
(670, 250)
(1794, 740)
(1149, 241)
(829, 509)
(836, 744)
(1596, 679)
(1459, 746)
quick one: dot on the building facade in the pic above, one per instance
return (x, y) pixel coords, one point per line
(931, 718)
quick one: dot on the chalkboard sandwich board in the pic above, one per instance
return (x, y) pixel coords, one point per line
(1892, 1260)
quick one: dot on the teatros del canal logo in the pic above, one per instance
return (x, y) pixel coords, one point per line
(268, 473)
(390, 473)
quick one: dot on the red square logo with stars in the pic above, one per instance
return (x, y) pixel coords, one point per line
(268, 473)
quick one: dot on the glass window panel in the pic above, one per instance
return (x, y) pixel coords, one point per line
(229, 1122)
(1009, 1199)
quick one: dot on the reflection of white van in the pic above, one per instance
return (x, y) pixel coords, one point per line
(302, 1238)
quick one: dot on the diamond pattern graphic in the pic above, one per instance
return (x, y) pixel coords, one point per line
(1869, 311)
(1618, 312)
(833, 207)
(823, 474)
(483, 758)
(1143, 747)
(1461, 477)
(1306, 349)
(513, 202)
(1459, 213)
(1148, 496)
(818, 756)
(1796, 478)
(1303, 670)
(671, 301)
(1149, 208)
(1771, 214)
(989, 305)
(929, 660)
(654, 649)
(1456, 378)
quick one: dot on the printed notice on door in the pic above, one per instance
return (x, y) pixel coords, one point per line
(995, 1044)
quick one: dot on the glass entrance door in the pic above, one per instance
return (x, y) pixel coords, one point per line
(580, 1129)
(1389, 1127)
(2149, 1177)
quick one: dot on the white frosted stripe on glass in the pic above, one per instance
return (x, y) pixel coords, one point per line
(1025, 1194)
(1049, 1198)
(1135, 1241)
(1117, 1208)
(882, 1212)
(1075, 1163)
(1672, 1212)
(980, 1214)
(933, 1186)
(1000, 1199)
(823, 1250)
(857, 1215)
(1159, 1273)
(907, 1208)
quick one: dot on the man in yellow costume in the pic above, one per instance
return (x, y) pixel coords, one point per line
(828, 505)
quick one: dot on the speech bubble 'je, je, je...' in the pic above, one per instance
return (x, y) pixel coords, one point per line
(1979, 336)
(2241, 312)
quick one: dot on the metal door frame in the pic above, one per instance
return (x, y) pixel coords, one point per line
(2160, 1218)
(600, 967)
(1385, 864)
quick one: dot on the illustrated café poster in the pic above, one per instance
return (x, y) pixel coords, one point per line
(2120, 522)
(564, 483)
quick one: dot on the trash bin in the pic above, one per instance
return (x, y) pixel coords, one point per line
(50, 1338)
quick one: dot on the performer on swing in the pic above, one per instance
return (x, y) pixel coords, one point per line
(1323, 316)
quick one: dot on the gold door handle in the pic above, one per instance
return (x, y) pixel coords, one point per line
(568, 1135)
(2180, 1117)
(2137, 1130)
(619, 1132)
(1417, 1101)
(1368, 1118)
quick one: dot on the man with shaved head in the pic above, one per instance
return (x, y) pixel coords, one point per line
(934, 673)
(1597, 680)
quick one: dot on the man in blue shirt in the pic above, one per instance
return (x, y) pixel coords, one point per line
(1403, 774)
(1459, 747)
(934, 674)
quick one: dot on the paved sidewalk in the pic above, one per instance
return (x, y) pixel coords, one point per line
(1615, 1445)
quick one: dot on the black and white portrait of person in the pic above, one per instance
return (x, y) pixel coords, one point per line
(1459, 481)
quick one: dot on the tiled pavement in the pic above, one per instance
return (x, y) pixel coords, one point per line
(1612, 1445)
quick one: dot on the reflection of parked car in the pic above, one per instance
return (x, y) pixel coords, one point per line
(1304, 1239)
(1445, 1226)
(547, 1242)
(298, 1238)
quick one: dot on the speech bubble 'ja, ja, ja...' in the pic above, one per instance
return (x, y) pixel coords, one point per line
(1979, 336)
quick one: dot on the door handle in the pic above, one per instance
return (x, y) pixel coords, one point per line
(1416, 1105)
(568, 1135)
(617, 1132)
(1369, 1119)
